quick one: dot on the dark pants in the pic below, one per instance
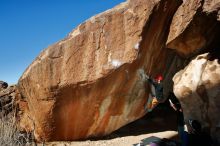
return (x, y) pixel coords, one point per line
(183, 136)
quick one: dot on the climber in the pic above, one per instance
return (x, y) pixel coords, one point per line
(156, 95)
(175, 104)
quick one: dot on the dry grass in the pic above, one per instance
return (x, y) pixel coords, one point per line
(11, 136)
(8, 132)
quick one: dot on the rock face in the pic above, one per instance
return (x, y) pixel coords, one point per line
(91, 83)
(8, 97)
(195, 29)
(198, 88)
(194, 26)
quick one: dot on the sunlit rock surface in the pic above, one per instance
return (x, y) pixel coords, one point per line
(198, 88)
(194, 26)
(91, 83)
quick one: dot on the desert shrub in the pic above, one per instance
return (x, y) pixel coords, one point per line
(8, 132)
(11, 136)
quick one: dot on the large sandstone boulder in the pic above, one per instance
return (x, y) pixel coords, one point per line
(195, 29)
(91, 83)
(198, 88)
(194, 26)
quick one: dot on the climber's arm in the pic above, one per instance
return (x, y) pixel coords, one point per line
(172, 105)
(150, 80)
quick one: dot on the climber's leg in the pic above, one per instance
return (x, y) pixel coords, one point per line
(147, 104)
(152, 102)
(155, 102)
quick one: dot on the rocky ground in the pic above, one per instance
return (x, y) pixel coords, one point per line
(144, 139)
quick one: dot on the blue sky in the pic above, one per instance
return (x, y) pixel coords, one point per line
(29, 26)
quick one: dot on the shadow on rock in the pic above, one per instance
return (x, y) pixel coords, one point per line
(162, 118)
